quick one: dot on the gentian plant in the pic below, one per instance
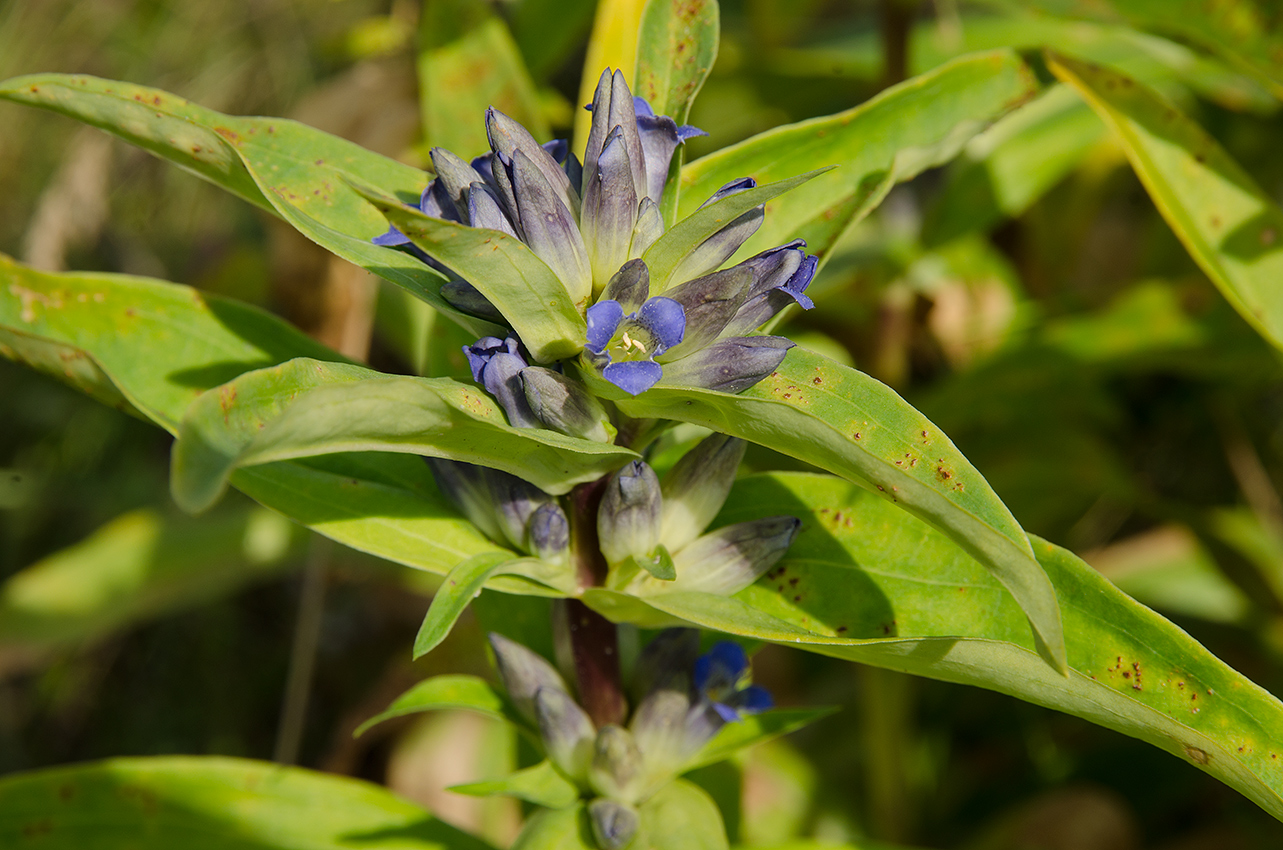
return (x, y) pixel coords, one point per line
(620, 308)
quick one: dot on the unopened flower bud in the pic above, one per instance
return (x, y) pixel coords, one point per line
(549, 532)
(514, 503)
(628, 519)
(614, 824)
(523, 673)
(727, 560)
(567, 732)
(666, 663)
(696, 488)
(728, 365)
(565, 405)
(616, 768)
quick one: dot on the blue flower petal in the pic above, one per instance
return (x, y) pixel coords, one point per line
(641, 107)
(689, 131)
(721, 667)
(666, 321)
(800, 280)
(603, 319)
(633, 376)
(391, 239)
(753, 699)
(726, 712)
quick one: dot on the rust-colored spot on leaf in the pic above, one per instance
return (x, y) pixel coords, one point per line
(1198, 756)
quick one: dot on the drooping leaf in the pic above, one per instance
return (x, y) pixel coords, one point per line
(465, 581)
(161, 345)
(508, 273)
(866, 582)
(304, 408)
(211, 804)
(918, 124)
(285, 167)
(1231, 228)
(542, 785)
(139, 566)
(849, 423)
(441, 693)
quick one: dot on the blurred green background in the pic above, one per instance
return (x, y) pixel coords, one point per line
(1028, 298)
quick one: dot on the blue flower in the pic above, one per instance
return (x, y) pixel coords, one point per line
(720, 680)
(626, 345)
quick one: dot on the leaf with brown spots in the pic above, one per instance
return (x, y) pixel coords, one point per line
(857, 427)
(304, 408)
(885, 592)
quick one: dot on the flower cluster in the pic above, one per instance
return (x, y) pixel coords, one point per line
(592, 224)
(681, 702)
(650, 532)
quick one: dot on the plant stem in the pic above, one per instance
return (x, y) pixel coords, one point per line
(594, 640)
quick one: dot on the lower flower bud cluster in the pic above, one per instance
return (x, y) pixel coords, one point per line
(650, 532)
(682, 700)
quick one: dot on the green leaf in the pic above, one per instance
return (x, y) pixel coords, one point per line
(468, 62)
(844, 421)
(753, 729)
(1229, 226)
(866, 582)
(663, 258)
(908, 128)
(505, 271)
(558, 829)
(305, 408)
(1245, 33)
(288, 168)
(161, 345)
(138, 567)
(681, 816)
(676, 48)
(463, 583)
(441, 693)
(1013, 163)
(542, 785)
(211, 804)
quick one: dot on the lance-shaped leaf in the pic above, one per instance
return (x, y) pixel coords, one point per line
(465, 581)
(849, 423)
(542, 785)
(676, 48)
(305, 408)
(443, 693)
(211, 803)
(666, 255)
(156, 346)
(867, 582)
(753, 729)
(529, 295)
(918, 124)
(1231, 228)
(295, 171)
